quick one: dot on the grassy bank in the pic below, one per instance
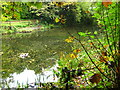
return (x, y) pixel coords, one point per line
(23, 26)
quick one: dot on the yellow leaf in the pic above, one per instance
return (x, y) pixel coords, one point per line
(68, 40)
(73, 55)
(102, 59)
(77, 50)
(57, 20)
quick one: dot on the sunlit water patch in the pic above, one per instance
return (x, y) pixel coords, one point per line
(28, 77)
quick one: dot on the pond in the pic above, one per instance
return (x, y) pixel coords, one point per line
(26, 55)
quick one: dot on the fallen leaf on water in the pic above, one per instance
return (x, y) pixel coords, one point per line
(1, 53)
(73, 55)
(70, 39)
(76, 50)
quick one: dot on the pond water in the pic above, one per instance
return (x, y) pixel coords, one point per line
(25, 56)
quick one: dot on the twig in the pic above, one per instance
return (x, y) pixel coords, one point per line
(91, 58)
(100, 53)
(107, 37)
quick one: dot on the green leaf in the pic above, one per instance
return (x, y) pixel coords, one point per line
(89, 33)
(92, 36)
(89, 40)
(38, 5)
(82, 34)
(95, 32)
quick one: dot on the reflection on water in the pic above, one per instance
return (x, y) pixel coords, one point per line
(29, 77)
(32, 51)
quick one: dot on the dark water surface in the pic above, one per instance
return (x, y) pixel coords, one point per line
(30, 53)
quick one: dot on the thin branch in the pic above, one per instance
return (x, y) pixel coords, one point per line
(91, 58)
(100, 54)
(102, 45)
(107, 37)
(113, 37)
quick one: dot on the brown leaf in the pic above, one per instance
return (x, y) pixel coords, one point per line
(101, 70)
(106, 2)
(105, 46)
(118, 69)
(104, 53)
(87, 12)
(102, 59)
(91, 43)
(76, 50)
(59, 4)
(95, 78)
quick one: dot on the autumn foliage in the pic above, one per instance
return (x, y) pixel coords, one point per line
(106, 3)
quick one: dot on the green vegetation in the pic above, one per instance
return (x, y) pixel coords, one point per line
(48, 15)
(94, 63)
(87, 58)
